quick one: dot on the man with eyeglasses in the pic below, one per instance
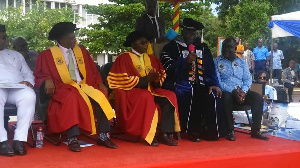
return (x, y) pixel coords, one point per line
(16, 83)
(142, 107)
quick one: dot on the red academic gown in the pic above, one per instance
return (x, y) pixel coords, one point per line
(67, 107)
(135, 108)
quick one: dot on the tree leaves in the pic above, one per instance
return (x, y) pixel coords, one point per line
(35, 24)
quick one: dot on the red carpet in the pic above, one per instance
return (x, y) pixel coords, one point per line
(244, 152)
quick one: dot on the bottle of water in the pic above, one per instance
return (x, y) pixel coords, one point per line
(39, 138)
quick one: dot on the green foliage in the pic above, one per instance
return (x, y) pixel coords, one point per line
(35, 24)
(116, 21)
(249, 20)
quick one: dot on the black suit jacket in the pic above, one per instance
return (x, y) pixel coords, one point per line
(144, 24)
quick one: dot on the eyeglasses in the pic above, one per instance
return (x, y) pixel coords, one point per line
(262, 78)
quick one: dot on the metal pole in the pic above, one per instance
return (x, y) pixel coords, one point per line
(271, 63)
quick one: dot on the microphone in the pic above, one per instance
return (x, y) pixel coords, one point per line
(192, 50)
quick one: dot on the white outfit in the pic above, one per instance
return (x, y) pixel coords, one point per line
(14, 69)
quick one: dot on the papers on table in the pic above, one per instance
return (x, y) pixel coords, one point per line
(6, 84)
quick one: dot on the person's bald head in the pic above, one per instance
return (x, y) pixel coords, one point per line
(19, 44)
(259, 42)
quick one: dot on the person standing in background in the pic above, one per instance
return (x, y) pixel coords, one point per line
(277, 67)
(239, 47)
(152, 25)
(261, 54)
(249, 57)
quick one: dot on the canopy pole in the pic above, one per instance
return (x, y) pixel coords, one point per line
(271, 63)
(176, 16)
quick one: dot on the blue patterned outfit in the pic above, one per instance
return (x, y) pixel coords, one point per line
(196, 107)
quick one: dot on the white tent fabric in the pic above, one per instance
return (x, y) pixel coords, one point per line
(278, 31)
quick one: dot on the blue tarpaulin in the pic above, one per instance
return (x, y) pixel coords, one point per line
(285, 25)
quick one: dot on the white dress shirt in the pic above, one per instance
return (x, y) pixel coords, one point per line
(13, 67)
(66, 56)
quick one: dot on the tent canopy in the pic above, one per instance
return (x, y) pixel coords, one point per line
(285, 25)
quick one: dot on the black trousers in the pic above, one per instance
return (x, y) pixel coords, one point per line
(253, 99)
(197, 113)
(290, 90)
(103, 124)
(167, 123)
(277, 75)
(260, 65)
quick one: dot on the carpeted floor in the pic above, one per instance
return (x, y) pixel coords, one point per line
(276, 152)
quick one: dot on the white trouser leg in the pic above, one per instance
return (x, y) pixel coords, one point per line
(3, 98)
(24, 99)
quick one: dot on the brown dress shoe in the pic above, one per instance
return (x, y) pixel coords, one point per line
(231, 136)
(166, 139)
(5, 149)
(107, 143)
(74, 146)
(258, 135)
(19, 147)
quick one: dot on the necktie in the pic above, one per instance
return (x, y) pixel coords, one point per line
(71, 66)
(142, 60)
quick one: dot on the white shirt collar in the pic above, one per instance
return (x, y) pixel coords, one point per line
(151, 16)
(63, 49)
(134, 51)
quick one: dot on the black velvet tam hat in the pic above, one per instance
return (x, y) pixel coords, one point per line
(189, 23)
(133, 36)
(2, 28)
(61, 29)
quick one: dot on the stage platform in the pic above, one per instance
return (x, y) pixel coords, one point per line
(243, 153)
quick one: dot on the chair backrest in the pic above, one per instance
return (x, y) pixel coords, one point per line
(258, 88)
(104, 70)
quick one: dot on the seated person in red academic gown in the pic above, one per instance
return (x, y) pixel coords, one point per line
(136, 78)
(70, 77)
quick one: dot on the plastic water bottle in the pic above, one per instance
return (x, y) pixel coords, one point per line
(39, 138)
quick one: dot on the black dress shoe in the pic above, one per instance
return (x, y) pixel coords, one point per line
(154, 142)
(74, 146)
(19, 148)
(167, 140)
(177, 135)
(193, 137)
(231, 136)
(107, 143)
(258, 135)
(5, 149)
